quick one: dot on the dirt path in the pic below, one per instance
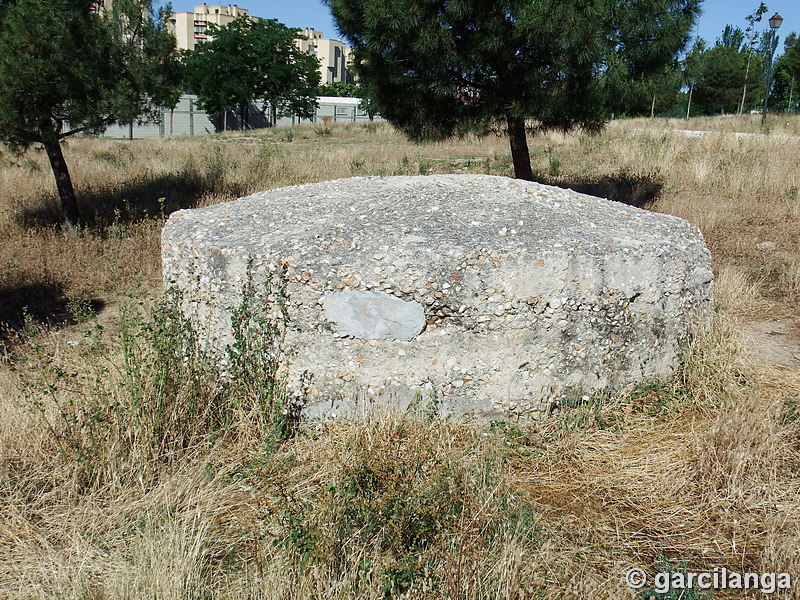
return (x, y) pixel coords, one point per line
(776, 340)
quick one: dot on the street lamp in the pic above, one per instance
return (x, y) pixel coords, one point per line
(774, 23)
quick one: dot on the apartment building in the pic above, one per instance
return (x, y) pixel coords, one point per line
(333, 55)
(190, 28)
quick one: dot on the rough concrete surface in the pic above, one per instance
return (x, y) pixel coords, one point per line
(532, 295)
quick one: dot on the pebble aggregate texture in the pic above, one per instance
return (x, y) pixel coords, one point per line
(487, 296)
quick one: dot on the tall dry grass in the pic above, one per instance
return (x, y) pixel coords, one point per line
(703, 470)
(741, 190)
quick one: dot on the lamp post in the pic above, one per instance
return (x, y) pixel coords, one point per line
(774, 23)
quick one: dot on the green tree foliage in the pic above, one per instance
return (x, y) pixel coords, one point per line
(747, 46)
(70, 66)
(786, 86)
(718, 75)
(340, 89)
(791, 52)
(732, 37)
(352, 90)
(729, 77)
(651, 95)
(253, 59)
(691, 70)
(780, 91)
(441, 68)
(369, 103)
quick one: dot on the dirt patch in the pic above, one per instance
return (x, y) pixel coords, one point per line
(776, 340)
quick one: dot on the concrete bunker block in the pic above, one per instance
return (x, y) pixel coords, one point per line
(492, 296)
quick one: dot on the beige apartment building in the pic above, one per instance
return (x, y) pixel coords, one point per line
(333, 55)
(190, 30)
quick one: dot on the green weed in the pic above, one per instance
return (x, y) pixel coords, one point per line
(667, 572)
(154, 391)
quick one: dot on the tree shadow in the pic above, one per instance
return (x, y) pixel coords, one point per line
(634, 189)
(133, 201)
(234, 120)
(37, 300)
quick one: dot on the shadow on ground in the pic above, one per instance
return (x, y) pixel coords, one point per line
(39, 300)
(634, 189)
(132, 202)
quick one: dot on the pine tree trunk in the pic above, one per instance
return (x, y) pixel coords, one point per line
(519, 149)
(69, 205)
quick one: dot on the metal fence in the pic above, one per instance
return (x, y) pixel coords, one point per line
(187, 119)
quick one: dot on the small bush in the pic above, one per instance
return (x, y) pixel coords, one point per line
(402, 512)
(154, 392)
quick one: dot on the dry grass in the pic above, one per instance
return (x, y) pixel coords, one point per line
(705, 470)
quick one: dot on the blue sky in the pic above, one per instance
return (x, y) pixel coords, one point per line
(716, 14)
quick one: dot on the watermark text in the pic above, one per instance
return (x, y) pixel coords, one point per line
(718, 579)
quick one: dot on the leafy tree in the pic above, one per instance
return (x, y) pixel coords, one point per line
(787, 74)
(441, 68)
(340, 89)
(252, 59)
(720, 68)
(784, 93)
(70, 66)
(718, 74)
(691, 70)
(791, 52)
(368, 102)
(351, 90)
(650, 95)
(747, 46)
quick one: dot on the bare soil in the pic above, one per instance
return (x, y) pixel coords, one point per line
(775, 340)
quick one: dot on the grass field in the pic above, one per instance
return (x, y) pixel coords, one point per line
(125, 473)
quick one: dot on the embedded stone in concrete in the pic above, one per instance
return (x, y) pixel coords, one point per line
(373, 315)
(533, 296)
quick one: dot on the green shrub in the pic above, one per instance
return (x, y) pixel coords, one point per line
(667, 569)
(154, 391)
(402, 512)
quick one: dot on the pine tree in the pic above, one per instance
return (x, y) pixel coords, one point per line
(441, 68)
(71, 66)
